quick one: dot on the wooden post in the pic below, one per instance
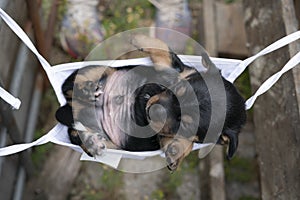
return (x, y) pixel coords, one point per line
(212, 170)
(276, 113)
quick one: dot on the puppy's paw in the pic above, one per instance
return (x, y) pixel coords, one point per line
(94, 144)
(146, 43)
(87, 91)
(158, 50)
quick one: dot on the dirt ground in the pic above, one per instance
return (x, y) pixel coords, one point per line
(160, 184)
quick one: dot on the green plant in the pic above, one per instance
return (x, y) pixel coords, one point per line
(248, 198)
(158, 195)
(112, 179)
(229, 1)
(168, 185)
(191, 162)
(118, 16)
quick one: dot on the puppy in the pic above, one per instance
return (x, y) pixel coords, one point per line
(168, 106)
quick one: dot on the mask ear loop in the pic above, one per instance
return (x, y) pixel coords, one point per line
(22, 35)
(15, 102)
(294, 61)
(276, 45)
(10, 99)
(274, 78)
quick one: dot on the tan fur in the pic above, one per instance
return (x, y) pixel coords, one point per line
(186, 73)
(157, 49)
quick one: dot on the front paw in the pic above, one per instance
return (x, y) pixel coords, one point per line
(88, 91)
(94, 145)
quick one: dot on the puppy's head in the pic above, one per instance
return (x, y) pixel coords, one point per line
(176, 149)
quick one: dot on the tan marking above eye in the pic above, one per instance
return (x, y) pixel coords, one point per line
(74, 133)
(225, 139)
(181, 91)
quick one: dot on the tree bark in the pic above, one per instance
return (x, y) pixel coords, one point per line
(276, 113)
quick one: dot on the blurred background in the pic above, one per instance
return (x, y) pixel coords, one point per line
(266, 165)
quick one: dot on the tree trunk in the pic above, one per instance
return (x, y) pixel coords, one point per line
(212, 183)
(276, 113)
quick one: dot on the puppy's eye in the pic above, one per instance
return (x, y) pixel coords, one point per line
(118, 99)
(147, 96)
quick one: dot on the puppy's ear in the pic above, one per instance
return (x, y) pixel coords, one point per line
(64, 115)
(211, 67)
(230, 138)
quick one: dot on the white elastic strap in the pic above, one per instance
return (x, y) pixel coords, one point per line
(276, 45)
(22, 35)
(21, 147)
(273, 79)
(10, 99)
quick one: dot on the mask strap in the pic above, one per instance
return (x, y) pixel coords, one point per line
(276, 45)
(294, 61)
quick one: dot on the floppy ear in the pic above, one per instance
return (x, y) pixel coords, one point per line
(211, 67)
(64, 115)
(231, 138)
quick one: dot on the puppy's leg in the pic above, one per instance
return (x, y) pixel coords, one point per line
(157, 50)
(75, 139)
(86, 84)
(93, 143)
(161, 55)
(90, 82)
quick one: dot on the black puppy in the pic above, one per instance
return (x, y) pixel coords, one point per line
(136, 108)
